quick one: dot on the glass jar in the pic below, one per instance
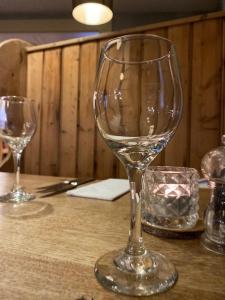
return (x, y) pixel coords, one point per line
(170, 197)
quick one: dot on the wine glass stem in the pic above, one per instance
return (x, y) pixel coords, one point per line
(17, 158)
(135, 244)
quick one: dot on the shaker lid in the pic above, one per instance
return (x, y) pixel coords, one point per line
(213, 163)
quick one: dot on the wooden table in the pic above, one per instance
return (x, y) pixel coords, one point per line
(50, 252)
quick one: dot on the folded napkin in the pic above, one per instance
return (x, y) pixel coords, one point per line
(203, 183)
(108, 189)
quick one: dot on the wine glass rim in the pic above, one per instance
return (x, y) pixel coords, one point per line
(136, 36)
(16, 99)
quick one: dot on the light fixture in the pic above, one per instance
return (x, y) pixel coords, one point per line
(92, 12)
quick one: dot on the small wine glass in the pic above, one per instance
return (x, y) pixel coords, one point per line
(137, 105)
(17, 126)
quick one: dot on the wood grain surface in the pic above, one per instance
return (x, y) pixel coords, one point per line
(181, 37)
(86, 122)
(34, 89)
(49, 247)
(206, 89)
(49, 151)
(159, 160)
(68, 111)
(105, 160)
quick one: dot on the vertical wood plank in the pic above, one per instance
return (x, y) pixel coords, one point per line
(105, 160)
(222, 124)
(34, 91)
(50, 113)
(206, 77)
(160, 159)
(86, 134)
(68, 111)
(176, 152)
(130, 89)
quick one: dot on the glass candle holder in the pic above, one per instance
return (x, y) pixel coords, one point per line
(170, 197)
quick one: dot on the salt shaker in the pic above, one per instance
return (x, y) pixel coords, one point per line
(213, 168)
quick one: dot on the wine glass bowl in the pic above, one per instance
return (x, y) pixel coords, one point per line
(134, 100)
(137, 105)
(17, 126)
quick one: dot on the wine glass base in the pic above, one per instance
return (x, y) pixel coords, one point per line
(157, 277)
(17, 197)
(211, 245)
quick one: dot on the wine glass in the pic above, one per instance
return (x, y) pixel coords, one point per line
(137, 105)
(17, 126)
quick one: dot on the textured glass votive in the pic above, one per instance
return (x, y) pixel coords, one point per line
(170, 197)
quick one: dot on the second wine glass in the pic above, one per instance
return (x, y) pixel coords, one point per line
(17, 126)
(137, 104)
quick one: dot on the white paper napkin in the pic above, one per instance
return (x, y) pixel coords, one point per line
(203, 183)
(108, 189)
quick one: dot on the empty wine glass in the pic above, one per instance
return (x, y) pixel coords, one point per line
(137, 105)
(17, 126)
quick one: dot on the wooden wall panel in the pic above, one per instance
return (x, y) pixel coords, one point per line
(181, 37)
(49, 152)
(206, 88)
(86, 134)
(64, 83)
(68, 111)
(34, 91)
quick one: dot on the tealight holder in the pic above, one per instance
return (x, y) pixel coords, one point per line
(170, 198)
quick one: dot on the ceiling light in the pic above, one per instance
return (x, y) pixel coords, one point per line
(92, 12)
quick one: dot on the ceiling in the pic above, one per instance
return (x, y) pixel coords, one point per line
(62, 8)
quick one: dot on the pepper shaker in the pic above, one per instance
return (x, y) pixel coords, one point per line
(213, 168)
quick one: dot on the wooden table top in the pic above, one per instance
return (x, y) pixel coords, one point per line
(49, 252)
